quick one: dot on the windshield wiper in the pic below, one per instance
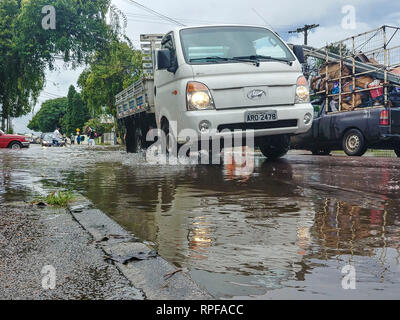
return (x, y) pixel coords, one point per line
(216, 58)
(258, 57)
(210, 58)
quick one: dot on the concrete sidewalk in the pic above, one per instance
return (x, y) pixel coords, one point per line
(85, 248)
(32, 237)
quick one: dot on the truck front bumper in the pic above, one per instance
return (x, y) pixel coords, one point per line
(290, 120)
(25, 144)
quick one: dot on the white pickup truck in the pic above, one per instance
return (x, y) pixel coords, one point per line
(218, 79)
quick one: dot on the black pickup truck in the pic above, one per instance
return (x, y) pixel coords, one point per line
(352, 131)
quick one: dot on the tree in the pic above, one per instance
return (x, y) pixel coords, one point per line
(27, 49)
(20, 81)
(77, 112)
(98, 126)
(110, 71)
(50, 116)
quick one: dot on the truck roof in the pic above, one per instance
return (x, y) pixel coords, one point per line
(220, 25)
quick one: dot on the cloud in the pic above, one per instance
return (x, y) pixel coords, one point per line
(282, 16)
(57, 85)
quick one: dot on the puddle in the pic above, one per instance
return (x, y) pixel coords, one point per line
(274, 232)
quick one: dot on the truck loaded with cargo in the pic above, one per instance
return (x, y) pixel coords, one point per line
(219, 80)
(355, 86)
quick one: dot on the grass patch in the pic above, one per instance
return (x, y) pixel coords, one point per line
(58, 198)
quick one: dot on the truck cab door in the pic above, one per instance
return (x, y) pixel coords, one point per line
(165, 84)
(323, 128)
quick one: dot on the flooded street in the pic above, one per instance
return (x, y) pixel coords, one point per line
(285, 231)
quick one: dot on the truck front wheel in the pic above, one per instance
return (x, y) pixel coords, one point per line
(354, 143)
(275, 147)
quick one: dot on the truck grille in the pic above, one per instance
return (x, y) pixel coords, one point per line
(259, 125)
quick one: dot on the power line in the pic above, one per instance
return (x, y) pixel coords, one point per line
(160, 15)
(149, 18)
(305, 30)
(49, 94)
(262, 18)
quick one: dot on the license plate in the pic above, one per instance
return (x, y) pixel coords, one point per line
(265, 116)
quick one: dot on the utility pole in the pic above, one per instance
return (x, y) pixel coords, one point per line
(305, 30)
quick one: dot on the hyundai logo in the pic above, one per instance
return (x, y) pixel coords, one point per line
(256, 94)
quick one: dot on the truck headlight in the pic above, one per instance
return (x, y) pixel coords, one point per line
(302, 91)
(198, 97)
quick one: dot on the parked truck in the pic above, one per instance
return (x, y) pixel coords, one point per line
(355, 87)
(218, 79)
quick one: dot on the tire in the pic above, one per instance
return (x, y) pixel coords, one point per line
(275, 147)
(15, 146)
(165, 129)
(138, 140)
(397, 151)
(354, 144)
(321, 152)
(169, 140)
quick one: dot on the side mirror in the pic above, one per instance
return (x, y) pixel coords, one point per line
(164, 59)
(299, 53)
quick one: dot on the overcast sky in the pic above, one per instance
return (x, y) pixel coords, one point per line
(281, 15)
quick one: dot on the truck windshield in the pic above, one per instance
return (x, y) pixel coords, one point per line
(208, 45)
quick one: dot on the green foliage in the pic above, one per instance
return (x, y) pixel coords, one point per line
(77, 113)
(110, 71)
(99, 127)
(27, 50)
(58, 198)
(21, 78)
(50, 116)
(335, 48)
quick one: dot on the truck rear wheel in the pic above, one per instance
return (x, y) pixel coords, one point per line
(275, 147)
(354, 143)
(397, 151)
(138, 140)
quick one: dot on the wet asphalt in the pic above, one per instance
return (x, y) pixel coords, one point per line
(281, 229)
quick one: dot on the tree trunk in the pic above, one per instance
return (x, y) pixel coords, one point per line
(4, 115)
(9, 124)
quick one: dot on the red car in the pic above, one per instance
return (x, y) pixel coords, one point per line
(12, 141)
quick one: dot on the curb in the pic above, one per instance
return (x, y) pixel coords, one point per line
(144, 268)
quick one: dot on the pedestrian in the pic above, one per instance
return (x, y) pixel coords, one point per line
(91, 137)
(72, 139)
(64, 140)
(56, 137)
(78, 138)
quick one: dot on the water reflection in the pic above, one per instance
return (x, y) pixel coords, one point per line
(255, 232)
(245, 233)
